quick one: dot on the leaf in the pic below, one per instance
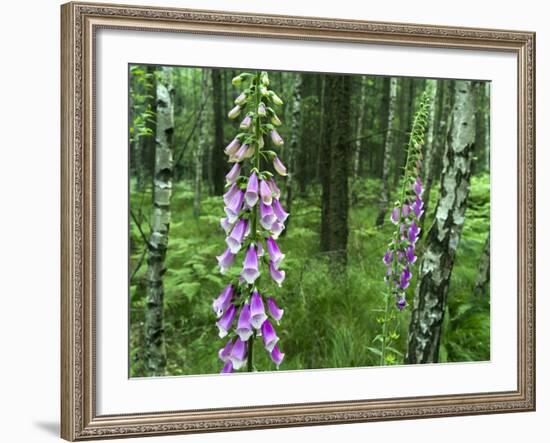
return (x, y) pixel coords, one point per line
(214, 279)
(189, 290)
(375, 351)
(395, 351)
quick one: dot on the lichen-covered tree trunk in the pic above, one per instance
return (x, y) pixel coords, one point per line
(218, 157)
(443, 237)
(198, 154)
(293, 145)
(430, 146)
(358, 141)
(386, 163)
(160, 225)
(484, 268)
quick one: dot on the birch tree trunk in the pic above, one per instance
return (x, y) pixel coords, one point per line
(198, 154)
(358, 142)
(160, 224)
(293, 145)
(386, 163)
(444, 235)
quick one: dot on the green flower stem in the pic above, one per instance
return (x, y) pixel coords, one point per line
(387, 308)
(257, 133)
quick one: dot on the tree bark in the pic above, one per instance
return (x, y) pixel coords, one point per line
(218, 157)
(482, 130)
(295, 127)
(325, 160)
(443, 237)
(358, 141)
(335, 184)
(484, 268)
(198, 155)
(160, 225)
(386, 163)
(430, 146)
(441, 127)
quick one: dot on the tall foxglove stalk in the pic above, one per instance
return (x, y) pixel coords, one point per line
(400, 257)
(254, 219)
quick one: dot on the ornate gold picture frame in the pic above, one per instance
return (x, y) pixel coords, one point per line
(80, 22)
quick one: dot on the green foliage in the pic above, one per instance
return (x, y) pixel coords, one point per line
(328, 321)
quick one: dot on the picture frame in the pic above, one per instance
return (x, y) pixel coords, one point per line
(80, 23)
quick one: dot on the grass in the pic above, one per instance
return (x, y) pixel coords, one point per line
(330, 319)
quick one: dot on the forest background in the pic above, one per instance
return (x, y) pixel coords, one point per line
(345, 139)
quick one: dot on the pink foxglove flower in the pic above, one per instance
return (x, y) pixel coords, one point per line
(225, 260)
(227, 368)
(244, 327)
(233, 174)
(279, 167)
(223, 301)
(274, 252)
(276, 138)
(250, 270)
(269, 336)
(251, 195)
(274, 188)
(280, 213)
(238, 354)
(245, 124)
(277, 275)
(234, 206)
(234, 113)
(277, 356)
(265, 193)
(235, 239)
(232, 147)
(274, 310)
(226, 321)
(253, 215)
(257, 310)
(224, 352)
(267, 216)
(276, 229)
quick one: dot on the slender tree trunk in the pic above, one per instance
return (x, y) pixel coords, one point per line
(198, 155)
(293, 145)
(335, 205)
(487, 118)
(322, 132)
(430, 146)
(442, 240)
(160, 225)
(325, 150)
(484, 268)
(386, 163)
(441, 127)
(146, 145)
(358, 142)
(404, 117)
(482, 129)
(218, 158)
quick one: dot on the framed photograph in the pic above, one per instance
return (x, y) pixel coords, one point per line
(277, 221)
